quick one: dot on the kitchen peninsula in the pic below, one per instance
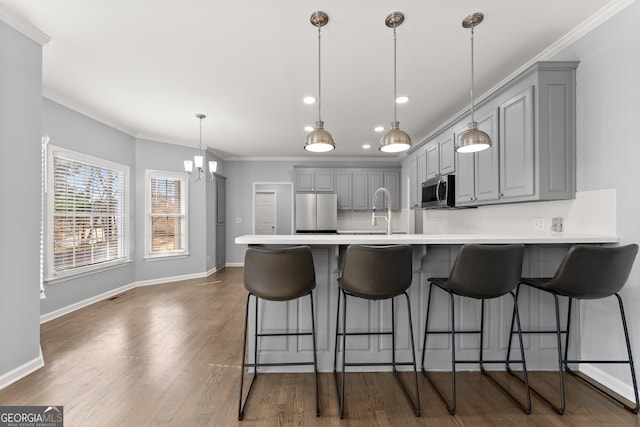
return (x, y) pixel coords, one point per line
(433, 255)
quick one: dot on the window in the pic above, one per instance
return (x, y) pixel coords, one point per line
(166, 214)
(87, 213)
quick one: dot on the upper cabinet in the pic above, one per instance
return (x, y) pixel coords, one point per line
(537, 134)
(477, 174)
(315, 180)
(440, 156)
(531, 122)
(357, 185)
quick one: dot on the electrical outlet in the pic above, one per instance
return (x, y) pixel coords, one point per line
(538, 224)
(556, 225)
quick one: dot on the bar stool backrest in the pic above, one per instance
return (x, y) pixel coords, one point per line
(376, 272)
(592, 272)
(279, 274)
(486, 271)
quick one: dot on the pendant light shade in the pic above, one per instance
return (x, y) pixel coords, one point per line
(473, 139)
(319, 140)
(395, 140)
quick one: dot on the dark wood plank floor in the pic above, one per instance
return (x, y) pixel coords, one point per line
(169, 355)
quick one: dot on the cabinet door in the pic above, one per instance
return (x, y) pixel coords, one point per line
(465, 178)
(414, 185)
(360, 193)
(433, 160)
(446, 148)
(344, 187)
(305, 181)
(392, 183)
(421, 161)
(324, 181)
(487, 168)
(375, 180)
(517, 154)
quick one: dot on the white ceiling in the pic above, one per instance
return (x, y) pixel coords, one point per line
(148, 66)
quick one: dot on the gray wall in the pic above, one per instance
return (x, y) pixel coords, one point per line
(240, 178)
(20, 141)
(608, 154)
(69, 129)
(284, 203)
(170, 157)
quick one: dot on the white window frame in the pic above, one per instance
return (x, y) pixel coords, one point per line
(184, 179)
(123, 256)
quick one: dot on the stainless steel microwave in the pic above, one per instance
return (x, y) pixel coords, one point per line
(439, 192)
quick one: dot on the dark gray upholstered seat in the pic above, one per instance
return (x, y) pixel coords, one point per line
(277, 275)
(375, 273)
(587, 272)
(481, 272)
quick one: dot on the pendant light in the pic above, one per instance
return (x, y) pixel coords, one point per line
(198, 160)
(395, 140)
(319, 140)
(473, 139)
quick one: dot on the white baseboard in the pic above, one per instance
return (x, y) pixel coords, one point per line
(234, 264)
(22, 371)
(81, 304)
(622, 388)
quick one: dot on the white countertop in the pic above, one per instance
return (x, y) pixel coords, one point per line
(423, 239)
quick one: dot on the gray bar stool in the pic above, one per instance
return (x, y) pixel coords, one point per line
(277, 275)
(375, 273)
(481, 272)
(587, 272)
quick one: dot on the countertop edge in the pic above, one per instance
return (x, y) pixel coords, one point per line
(424, 239)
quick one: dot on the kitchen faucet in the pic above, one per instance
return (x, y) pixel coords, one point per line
(374, 217)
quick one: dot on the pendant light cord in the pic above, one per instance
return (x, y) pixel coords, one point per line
(201, 152)
(319, 78)
(394, 75)
(472, 77)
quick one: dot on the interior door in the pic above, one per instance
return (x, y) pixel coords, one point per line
(265, 213)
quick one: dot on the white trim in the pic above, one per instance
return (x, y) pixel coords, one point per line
(54, 151)
(622, 388)
(22, 371)
(25, 28)
(163, 280)
(184, 202)
(584, 28)
(84, 303)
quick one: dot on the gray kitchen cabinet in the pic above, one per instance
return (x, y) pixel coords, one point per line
(360, 191)
(517, 156)
(375, 180)
(355, 187)
(537, 134)
(315, 180)
(440, 154)
(344, 189)
(477, 174)
(412, 172)
(392, 183)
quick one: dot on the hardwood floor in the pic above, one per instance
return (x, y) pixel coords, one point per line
(169, 355)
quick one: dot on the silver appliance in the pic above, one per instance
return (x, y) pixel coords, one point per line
(316, 213)
(439, 193)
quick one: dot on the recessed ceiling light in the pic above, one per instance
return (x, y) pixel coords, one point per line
(308, 128)
(366, 146)
(309, 100)
(402, 99)
(379, 128)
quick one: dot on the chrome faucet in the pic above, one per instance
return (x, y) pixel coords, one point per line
(374, 217)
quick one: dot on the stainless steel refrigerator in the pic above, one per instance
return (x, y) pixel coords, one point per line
(316, 213)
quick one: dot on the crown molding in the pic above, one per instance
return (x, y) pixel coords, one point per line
(25, 28)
